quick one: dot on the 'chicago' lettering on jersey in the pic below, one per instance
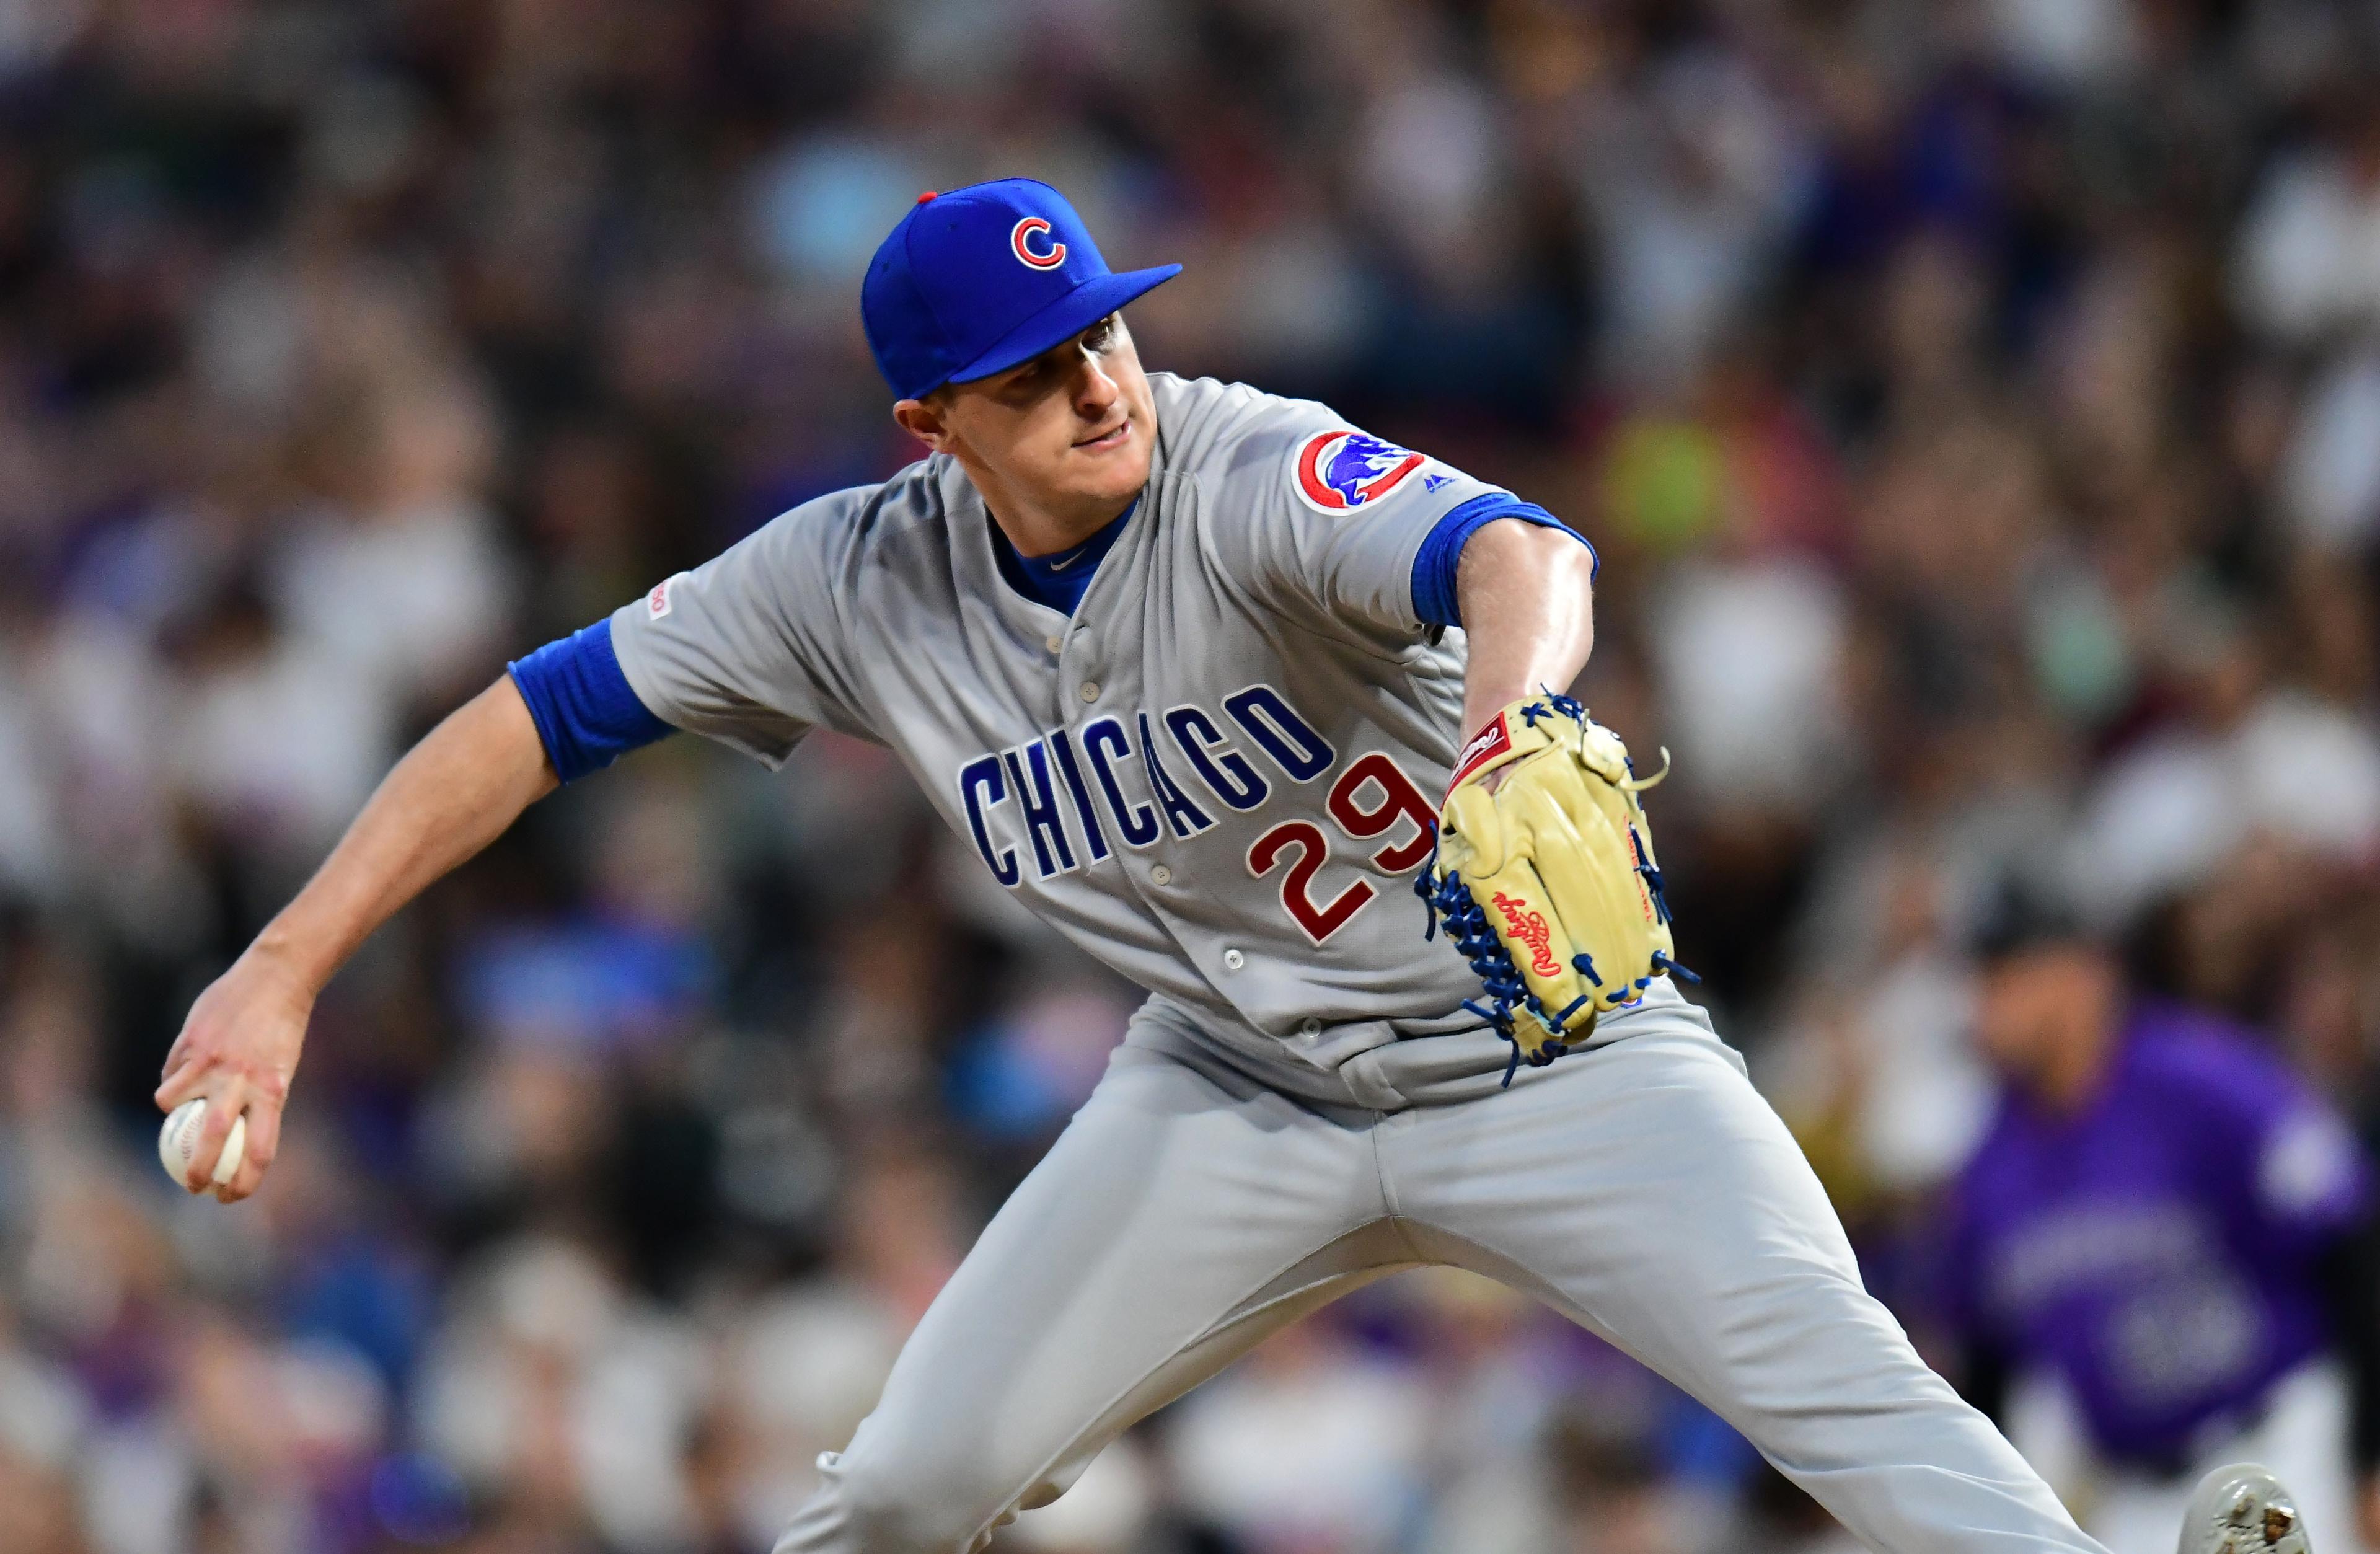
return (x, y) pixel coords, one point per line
(1204, 763)
(1196, 768)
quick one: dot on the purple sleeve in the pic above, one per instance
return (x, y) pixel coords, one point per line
(2297, 1171)
(2310, 1175)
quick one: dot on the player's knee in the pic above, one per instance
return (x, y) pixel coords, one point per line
(868, 1505)
(906, 1516)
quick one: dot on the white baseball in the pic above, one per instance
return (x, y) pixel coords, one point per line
(179, 1139)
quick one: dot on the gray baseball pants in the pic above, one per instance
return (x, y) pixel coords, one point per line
(1642, 1188)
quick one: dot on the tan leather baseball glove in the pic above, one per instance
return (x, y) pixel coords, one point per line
(1547, 885)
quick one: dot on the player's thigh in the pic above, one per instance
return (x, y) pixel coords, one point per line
(1644, 1184)
(1650, 1193)
(1174, 1220)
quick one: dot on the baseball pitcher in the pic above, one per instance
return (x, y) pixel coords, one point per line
(1218, 684)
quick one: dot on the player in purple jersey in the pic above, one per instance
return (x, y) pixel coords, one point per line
(2167, 1223)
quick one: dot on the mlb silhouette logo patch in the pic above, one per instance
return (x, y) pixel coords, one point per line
(1340, 471)
(657, 603)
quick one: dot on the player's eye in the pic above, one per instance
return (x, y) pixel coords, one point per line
(1028, 381)
(1025, 382)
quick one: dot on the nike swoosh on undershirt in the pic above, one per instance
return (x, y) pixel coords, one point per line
(1062, 566)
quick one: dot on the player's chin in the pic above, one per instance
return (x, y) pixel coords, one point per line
(1112, 467)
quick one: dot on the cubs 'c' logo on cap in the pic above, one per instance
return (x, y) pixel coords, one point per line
(1020, 238)
(1340, 471)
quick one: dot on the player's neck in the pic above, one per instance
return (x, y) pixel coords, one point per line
(2077, 1070)
(1047, 528)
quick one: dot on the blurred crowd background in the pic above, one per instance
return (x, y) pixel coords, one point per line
(1976, 406)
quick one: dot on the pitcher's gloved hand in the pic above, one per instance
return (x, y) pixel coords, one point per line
(1547, 884)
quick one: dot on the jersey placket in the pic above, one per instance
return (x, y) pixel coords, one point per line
(1093, 683)
(1208, 943)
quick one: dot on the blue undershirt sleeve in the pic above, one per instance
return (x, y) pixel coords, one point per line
(585, 713)
(1442, 550)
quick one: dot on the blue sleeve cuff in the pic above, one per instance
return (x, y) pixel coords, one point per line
(587, 714)
(1441, 550)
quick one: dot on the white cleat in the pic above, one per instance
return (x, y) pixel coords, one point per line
(2242, 1510)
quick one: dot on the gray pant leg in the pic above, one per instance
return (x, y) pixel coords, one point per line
(1647, 1191)
(1181, 1216)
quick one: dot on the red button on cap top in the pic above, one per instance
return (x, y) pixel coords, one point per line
(927, 195)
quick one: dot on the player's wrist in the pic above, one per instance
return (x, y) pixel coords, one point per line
(1481, 715)
(284, 956)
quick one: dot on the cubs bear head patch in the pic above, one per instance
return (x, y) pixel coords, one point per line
(1340, 471)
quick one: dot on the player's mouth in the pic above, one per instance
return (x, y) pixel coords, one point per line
(1112, 438)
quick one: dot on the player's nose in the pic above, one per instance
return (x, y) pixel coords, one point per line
(1095, 392)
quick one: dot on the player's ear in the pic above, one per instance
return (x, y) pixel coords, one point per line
(922, 418)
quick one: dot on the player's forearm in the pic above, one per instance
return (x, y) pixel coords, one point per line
(1527, 599)
(454, 792)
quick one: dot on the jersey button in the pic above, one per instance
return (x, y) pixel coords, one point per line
(1234, 960)
(1310, 1028)
(1090, 690)
(1161, 874)
(1053, 641)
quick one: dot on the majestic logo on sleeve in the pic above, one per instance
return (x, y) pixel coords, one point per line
(1340, 471)
(1020, 240)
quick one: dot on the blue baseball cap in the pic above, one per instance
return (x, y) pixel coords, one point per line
(977, 280)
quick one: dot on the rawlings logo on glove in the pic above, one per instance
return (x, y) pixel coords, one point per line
(1560, 851)
(1486, 745)
(1530, 929)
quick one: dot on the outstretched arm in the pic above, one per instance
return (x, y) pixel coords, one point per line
(1527, 597)
(452, 795)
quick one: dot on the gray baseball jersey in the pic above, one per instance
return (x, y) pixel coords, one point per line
(1219, 776)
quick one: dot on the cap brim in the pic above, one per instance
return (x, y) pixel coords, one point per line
(1062, 320)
